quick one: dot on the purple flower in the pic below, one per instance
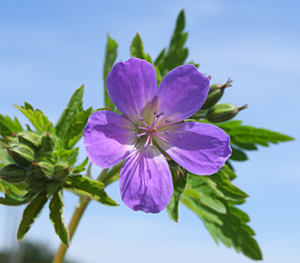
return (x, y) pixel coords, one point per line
(151, 128)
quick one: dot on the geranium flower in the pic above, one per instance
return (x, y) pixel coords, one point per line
(151, 127)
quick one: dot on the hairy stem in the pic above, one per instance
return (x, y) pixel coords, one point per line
(59, 257)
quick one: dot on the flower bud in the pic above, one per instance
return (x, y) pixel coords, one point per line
(22, 154)
(48, 142)
(29, 138)
(223, 112)
(215, 93)
(44, 169)
(61, 170)
(12, 173)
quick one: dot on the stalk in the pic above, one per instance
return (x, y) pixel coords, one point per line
(59, 257)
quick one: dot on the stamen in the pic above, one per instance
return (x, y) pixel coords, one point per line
(143, 120)
(167, 132)
(160, 114)
(151, 143)
(162, 138)
(149, 135)
(139, 135)
(143, 128)
(167, 121)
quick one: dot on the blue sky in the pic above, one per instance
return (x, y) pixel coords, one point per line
(47, 49)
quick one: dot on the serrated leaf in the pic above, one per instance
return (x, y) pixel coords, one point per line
(136, 47)
(69, 156)
(37, 118)
(158, 76)
(199, 209)
(160, 57)
(9, 126)
(235, 233)
(247, 135)
(75, 129)
(74, 106)
(226, 187)
(90, 188)
(110, 57)
(56, 207)
(30, 213)
(202, 189)
(4, 157)
(80, 168)
(10, 201)
(179, 186)
(238, 155)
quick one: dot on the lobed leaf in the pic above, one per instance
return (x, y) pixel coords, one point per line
(247, 137)
(110, 57)
(30, 213)
(80, 168)
(90, 188)
(75, 129)
(56, 207)
(179, 186)
(74, 107)
(136, 47)
(37, 118)
(9, 126)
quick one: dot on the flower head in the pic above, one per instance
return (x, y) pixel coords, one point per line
(151, 128)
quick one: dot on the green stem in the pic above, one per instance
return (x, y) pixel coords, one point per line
(59, 257)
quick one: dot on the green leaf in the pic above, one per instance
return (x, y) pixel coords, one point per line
(136, 48)
(199, 188)
(234, 232)
(69, 156)
(226, 187)
(9, 126)
(180, 23)
(110, 57)
(30, 213)
(242, 135)
(90, 188)
(74, 106)
(37, 118)
(160, 57)
(80, 168)
(179, 186)
(202, 211)
(8, 200)
(238, 155)
(57, 218)
(4, 157)
(158, 76)
(75, 129)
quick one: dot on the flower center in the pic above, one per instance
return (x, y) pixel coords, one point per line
(153, 129)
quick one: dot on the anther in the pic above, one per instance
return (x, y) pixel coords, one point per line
(160, 114)
(167, 132)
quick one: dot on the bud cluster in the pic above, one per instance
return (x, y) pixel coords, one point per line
(214, 112)
(35, 162)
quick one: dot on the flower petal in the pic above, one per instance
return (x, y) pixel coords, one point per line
(131, 86)
(108, 138)
(182, 92)
(198, 147)
(145, 181)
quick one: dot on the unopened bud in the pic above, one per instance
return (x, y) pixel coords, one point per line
(12, 173)
(48, 142)
(215, 94)
(61, 170)
(44, 169)
(29, 138)
(223, 112)
(22, 154)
